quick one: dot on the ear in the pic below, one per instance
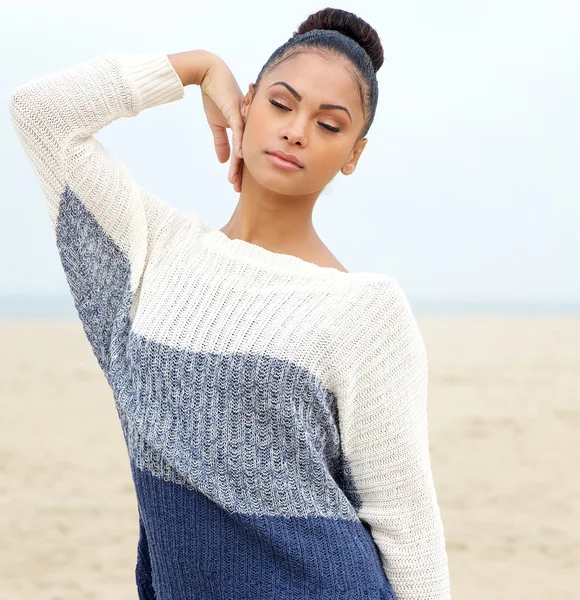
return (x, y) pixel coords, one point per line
(349, 167)
(247, 101)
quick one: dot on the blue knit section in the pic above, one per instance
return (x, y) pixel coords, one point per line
(199, 550)
(143, 571)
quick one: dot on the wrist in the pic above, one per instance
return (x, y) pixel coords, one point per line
(191, 66)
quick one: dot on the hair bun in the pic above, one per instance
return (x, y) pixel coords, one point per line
(350, 25)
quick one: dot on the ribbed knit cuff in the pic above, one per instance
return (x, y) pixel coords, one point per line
(153, 78)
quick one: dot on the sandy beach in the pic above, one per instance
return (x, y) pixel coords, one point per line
(504, 418)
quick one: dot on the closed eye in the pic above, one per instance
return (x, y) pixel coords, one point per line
(328, 127)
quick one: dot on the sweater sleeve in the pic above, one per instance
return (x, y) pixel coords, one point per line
(387, 447)
(103, 220)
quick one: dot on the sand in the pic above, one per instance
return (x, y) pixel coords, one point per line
(504, 423)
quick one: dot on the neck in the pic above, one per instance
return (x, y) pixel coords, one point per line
(277, 222)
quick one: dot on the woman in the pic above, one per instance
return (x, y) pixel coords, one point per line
(273, 404)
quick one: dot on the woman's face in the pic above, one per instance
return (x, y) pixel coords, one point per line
(323, 139)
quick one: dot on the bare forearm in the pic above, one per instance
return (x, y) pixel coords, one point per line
(192, 65)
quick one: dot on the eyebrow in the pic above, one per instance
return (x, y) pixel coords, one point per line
(299, 98)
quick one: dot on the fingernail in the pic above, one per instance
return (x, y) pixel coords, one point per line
(239, 153)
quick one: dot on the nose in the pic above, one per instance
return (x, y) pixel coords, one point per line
(295, 135)
(294, 139)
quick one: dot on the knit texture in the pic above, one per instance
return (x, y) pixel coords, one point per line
(274, 411)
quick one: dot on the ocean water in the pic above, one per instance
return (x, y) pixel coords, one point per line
(36, 306)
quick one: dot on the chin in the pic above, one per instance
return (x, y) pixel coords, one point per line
(279, 186)
(279, 182)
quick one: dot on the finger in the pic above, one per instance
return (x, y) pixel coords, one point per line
(236, 124)
(236, 172)
(237, 168)
(234, 179)
(234, 167)
(239, 174)
(221, 142)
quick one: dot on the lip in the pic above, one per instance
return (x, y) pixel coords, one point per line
(285, 157)
(285, 165)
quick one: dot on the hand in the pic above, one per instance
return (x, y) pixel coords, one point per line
(222, 99)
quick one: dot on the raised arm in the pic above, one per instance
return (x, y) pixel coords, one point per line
(56, 116)
(383, 415)
(104, 221)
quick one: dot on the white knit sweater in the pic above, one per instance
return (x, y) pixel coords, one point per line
(275, 411)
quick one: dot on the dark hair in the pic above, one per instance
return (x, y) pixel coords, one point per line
(339, 32)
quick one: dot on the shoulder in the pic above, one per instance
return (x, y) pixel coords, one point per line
(388, 317)
(371, 302)
(383, 293)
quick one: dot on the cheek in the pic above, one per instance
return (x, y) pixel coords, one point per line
(329, 160)
(251, 144)
(252, 134)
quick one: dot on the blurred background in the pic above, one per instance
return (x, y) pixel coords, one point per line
(468, 193)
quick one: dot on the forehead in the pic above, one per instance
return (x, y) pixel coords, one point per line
(318, 79)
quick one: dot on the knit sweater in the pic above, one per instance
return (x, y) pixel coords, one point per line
(274, 410)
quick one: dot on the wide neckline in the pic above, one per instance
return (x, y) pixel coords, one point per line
(259, 256)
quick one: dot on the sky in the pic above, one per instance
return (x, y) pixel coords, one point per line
(467, 191)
